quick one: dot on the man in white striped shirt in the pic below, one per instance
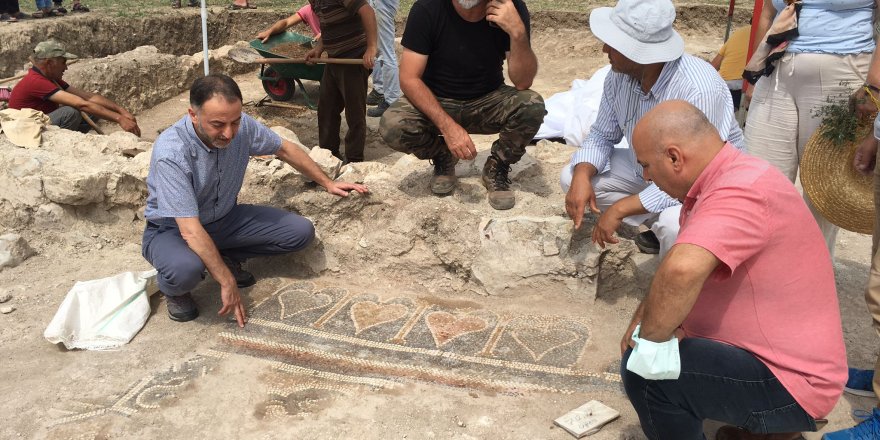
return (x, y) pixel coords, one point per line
(648, 66)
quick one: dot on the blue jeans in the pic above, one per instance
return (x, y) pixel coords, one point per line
(44, 4)
(247, 231)
(386, 75)
(719, 382)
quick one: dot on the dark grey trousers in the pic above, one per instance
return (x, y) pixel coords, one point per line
(69, 118)
(247, 231)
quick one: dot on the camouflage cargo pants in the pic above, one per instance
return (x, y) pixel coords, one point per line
(514, 114)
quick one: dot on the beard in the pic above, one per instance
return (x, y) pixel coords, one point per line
(468, 4)
(214, 142)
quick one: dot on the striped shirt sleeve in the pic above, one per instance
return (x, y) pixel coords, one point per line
(604, 133)
(655, 200)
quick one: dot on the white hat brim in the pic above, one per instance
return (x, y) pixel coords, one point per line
(643, 53)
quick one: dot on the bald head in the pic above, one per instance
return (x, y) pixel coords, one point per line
(674, 142)
(675, 122)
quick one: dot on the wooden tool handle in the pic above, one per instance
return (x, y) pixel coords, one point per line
(303, 61)
(12, 78)
(91, 123)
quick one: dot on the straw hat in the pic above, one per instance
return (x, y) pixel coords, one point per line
(843, 195)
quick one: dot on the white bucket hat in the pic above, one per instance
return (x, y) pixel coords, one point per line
(641, 30)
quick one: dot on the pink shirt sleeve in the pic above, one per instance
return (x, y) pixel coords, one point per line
(308, 16)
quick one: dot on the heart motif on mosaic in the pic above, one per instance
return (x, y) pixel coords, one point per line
(445, 326)
(294, 302)
(366, 314)
(540, 341)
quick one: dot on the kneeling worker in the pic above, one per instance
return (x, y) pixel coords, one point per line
(741, 323)
(451, 74)
(43, 89)
(193, 219)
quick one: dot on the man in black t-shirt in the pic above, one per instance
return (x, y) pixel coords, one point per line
(452, 79)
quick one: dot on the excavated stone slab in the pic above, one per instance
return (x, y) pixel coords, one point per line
(13, 250)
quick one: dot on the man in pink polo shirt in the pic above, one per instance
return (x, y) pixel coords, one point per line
(744, 301)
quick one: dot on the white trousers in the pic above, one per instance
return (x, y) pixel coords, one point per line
(621, 181)
(782, 115)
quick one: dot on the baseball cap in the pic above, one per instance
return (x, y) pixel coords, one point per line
(52, 49)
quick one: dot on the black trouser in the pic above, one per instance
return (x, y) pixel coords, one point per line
(719, 382)
(9, 7)
(343, 87)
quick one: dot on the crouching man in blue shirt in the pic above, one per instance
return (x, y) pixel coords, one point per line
(193, 221)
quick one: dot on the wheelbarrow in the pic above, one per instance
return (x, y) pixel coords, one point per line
(280, 80)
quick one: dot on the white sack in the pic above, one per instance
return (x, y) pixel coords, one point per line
(571, 114)
(103, 314)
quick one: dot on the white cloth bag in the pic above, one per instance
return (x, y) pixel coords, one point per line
(103, 314)
(570, 114)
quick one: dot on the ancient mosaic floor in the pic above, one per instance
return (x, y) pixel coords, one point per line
(319, 342)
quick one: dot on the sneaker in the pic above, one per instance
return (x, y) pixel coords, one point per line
(378, 110)
(733, 433)
(181, 308)
(443, 181)
(243, 278)
(868, 429)
(647, 242)
(497, 183)
(374, 97)
(860, 382)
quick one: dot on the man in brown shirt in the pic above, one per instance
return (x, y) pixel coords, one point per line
(348, 30)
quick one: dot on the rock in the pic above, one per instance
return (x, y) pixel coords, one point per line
(13, 250)
(53, 215)
(327, 161)
(7, 310)
(540, 253)
(4, 296)
(359, 171)
(289, 135)
(20, 181)
(126, 189)
(75, 188)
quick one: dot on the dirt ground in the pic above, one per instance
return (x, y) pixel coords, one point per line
(208, 379)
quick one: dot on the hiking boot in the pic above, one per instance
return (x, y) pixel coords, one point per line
(647, 242)
(243, 278)
(443, 181)
(378, 110)
(374, 97)
(181, 308)
(497, 183)
(869, 429)
(733, 433)
(860, 382)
